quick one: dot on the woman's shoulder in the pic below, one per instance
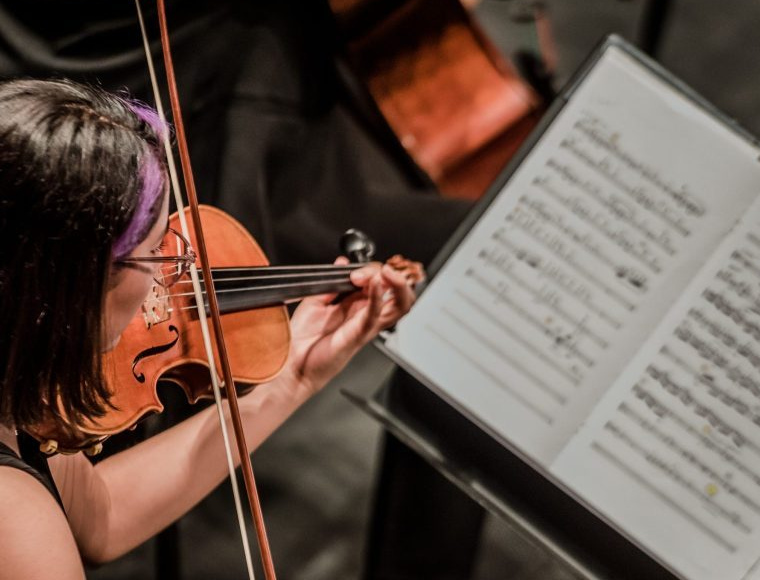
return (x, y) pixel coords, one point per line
(37, 542)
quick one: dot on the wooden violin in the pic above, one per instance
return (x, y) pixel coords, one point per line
(164, 342)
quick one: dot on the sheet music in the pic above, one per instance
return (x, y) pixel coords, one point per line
(574, 263)
(754, 572)
(680, 431)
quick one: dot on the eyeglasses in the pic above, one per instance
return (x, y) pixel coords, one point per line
(174, 266)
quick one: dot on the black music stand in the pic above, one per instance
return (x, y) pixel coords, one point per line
(655, 18)
(440, 475)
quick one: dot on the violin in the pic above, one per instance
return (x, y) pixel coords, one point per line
(164, 341)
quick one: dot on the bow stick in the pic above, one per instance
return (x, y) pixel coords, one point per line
(245, 460)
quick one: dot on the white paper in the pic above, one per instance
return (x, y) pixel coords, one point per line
(672, 452)
(572, 266)
(754, 572)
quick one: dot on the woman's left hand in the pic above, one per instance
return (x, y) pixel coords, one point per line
(325, 335)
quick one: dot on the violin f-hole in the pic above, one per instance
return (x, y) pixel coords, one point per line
(152, 351)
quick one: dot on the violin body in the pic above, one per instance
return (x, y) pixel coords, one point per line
(164, 341)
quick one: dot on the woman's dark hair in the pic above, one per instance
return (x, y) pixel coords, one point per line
(78, 172)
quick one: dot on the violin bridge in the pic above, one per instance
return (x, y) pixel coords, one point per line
(156, 306)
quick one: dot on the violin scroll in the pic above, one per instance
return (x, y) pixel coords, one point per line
(357, 246)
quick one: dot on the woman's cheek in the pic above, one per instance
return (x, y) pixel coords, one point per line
(123, 302)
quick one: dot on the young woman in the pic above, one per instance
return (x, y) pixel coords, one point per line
(83, 196)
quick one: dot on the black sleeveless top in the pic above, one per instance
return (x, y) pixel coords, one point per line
(31, 461)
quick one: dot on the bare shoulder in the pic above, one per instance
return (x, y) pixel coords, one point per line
(37, 542)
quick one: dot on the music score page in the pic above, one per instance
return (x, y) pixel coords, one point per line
(679, 431)
(570, 270)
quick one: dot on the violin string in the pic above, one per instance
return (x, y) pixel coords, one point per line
(294, 278)
(316, 267)
(260, 288)
(264, 275)
(220, 280)
(199, 300)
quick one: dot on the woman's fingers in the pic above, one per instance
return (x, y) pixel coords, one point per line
(362, 276)
(403, 292)
(390, 297)
(388, 292)
(375, 304)
(359, 278)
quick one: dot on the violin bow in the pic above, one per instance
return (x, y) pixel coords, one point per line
(218, 339)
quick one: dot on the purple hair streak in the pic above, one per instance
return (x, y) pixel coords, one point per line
(152, 186)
